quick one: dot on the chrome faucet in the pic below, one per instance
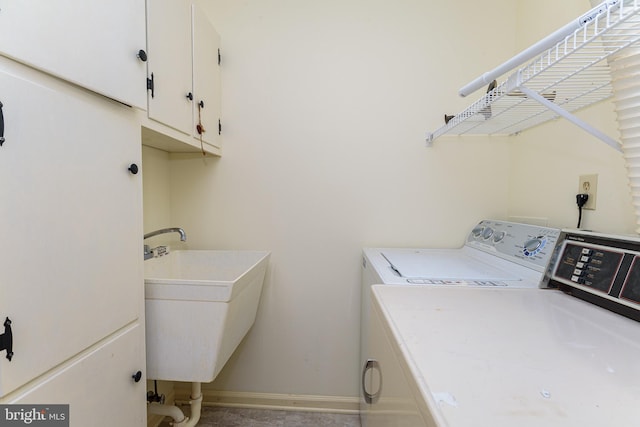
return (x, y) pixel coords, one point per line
(183, 235)
(161, 250)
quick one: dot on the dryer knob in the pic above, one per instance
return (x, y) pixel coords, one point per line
(477, 232)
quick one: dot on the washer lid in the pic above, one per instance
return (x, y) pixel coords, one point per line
(443, 264)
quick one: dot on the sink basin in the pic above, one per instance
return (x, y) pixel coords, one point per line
(212, 275)
(199, 305)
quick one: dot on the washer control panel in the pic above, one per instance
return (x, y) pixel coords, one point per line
(524, 244)
(601, 269)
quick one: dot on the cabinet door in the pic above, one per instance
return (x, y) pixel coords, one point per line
(98, 386)
(71, 234)
(206, 77)
(169, 44)
(392, 400)
(90, 43)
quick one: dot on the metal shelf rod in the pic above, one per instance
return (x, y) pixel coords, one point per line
(539, 47)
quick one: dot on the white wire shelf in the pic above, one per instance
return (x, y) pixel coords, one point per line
(571, 75)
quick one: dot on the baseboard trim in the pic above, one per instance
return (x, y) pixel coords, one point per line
(287, 402)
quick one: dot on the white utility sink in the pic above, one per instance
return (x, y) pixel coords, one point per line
(214, 275)
(199, 305)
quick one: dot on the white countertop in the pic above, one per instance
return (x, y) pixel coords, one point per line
(515, 357)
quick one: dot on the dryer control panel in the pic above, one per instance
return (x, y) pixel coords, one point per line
(526, 244)
(602, 269)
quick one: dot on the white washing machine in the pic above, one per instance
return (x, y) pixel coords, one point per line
(495, 254)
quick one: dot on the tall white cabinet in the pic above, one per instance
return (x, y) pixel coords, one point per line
(75, 86)
(71, 260)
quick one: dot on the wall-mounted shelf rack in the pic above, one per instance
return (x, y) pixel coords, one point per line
(572, 74)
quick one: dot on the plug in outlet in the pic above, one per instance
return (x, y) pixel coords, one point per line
(589, 185)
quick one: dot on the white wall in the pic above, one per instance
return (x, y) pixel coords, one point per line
(155, 188)
(325, 107)
(546, 161)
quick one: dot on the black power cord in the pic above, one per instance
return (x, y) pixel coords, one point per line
(581, 200)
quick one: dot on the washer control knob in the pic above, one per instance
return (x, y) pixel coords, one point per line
(477, 232)
(499, 236)
(533, 246)
(487, 232)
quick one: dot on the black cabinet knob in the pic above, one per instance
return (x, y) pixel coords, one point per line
(201, 104)
(133, 168)
(137, 376)
(142, 55)
(190, 96)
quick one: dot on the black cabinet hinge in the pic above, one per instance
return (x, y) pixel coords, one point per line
(219, 127)
(219, 57)
(150, 85)
(1, 126)
(6, 339)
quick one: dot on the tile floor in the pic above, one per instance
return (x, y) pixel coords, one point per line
(244, 417)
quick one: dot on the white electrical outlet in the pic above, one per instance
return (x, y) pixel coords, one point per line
(589, 185)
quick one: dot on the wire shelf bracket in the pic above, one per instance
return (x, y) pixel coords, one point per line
(571, 117)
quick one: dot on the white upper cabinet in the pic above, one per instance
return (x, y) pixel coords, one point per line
(169, 44)
(184, 73)
(206, 78)
(93, 44)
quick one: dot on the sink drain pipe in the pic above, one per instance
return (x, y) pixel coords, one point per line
(179, 419)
